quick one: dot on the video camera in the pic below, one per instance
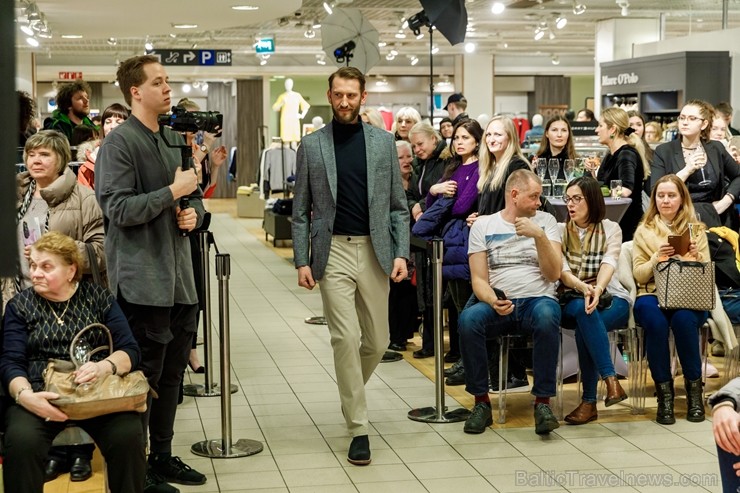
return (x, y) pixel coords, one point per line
(182, 120)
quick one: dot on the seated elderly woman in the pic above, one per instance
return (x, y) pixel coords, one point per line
(593, 300)
(40, 323)
(670, 212)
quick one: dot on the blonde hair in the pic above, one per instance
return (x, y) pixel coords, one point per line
(618, 118)
(407, 112)
(406, 145)
(426, 129)
(491, 172)
(83, 147)
(685, 214)
(62, 246)
(373, 117)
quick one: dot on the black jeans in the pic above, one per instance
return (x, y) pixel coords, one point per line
(28, 439)
(165, 335)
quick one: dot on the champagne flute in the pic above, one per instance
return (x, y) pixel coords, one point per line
(695, 227)
(699, 157)
(540, 165)
(553, 167)
(569, 168)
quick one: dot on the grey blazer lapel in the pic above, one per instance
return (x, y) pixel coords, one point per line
(326, 143)
(369, 153)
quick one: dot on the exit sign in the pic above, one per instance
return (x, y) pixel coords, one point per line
(70, 75)
(265, 45)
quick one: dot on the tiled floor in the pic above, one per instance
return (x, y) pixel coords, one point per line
(288, 400)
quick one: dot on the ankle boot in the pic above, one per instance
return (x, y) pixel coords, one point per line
(694, 400)
(614, 391)
(665, 393)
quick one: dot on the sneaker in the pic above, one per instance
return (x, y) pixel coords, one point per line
(154, 483)
(513, 385)
(359, 451)
(544, 419)
(454, 368)
(481, 417)
(174, 470)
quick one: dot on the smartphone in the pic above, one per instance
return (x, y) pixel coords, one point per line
(499, 294)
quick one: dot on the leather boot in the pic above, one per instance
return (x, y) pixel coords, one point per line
(614, 391)
(694, 400)
(665, 393)
(584, 413)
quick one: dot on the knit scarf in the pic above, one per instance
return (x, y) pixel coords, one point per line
(22, 209)
(584, 258)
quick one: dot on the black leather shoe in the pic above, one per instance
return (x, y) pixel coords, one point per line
(81, 469)
(451, 357)
(359, 451)
(456, 378)
(54, 468)
(454, 368)
(423, 353)
(393, 346)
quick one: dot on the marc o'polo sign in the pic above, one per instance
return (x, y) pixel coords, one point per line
(193, 57)
(623, 79)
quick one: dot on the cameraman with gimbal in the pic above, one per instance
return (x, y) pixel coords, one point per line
(139, 182)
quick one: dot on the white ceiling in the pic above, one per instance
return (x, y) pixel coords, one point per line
(219, 27)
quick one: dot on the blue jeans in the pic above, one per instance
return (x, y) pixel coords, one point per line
(730, 481)
(539, 317)
(594, 357)
(731, 304)
(685, 325)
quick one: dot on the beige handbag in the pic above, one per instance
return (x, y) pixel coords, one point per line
(681, 284)
(111, 394)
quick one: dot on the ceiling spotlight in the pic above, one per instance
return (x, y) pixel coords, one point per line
(115, 83)
(400, 35)
(382, 44)
(320, 59)
(32, 41)
(381, 83)
(414, 60)
(418, 21)
(498, 8)
(186, 88)
(33, 13)
(112, 41)
(625, 6)
(244, 7)
(184, 26)
(328, 8)
(389, 57)
(196, 84)
(420, 36)
(27, 30)
(316, 24)
(263, 62)
(310, 33)
(578, 8)
(435, 49)
(393, 52)
(561, 21)
(204, 86)
(148, 46)
(555, 60)
(469, 47)
(538, 34)
(193, 46)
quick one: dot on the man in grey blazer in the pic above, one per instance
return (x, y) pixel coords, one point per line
(350, 233)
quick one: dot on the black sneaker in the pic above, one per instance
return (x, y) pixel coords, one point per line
(513, 385)
(544, 419)
(174, 470)
(154, 483)
(481, 417)
(456, 378)
(359, 451)
(454, 368)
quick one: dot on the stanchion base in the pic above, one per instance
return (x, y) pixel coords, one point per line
(197, 390)
(215, 448)
(429, 415)
(315, 320)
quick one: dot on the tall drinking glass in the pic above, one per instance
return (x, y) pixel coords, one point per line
(553, 167)
(540, 167)
(569, 168)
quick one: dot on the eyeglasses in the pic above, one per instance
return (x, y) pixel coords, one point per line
(689, 118)
(576, 199)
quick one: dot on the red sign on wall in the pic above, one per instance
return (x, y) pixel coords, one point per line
(70, 75)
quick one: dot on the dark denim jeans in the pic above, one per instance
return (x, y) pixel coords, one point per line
(731, 304)
(594, 357)
(730, 480)
(685, 325)
(539, 317)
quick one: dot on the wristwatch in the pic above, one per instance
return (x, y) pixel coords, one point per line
(204, 149)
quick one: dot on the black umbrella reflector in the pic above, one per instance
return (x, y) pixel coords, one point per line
(450, 17)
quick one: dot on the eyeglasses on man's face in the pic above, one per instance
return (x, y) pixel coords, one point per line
(690, 118)
(576, 199)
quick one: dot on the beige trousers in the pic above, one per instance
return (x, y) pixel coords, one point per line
(354, 291)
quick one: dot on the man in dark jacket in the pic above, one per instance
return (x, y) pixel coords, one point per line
(73, 108)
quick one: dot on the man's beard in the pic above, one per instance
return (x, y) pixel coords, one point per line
(344, 119)
(80, 114)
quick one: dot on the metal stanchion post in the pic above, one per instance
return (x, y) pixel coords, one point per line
(224, 448)
(439, 413)
(209, 389)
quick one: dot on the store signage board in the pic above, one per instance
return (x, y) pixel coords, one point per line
(193, 57)
(70, 75)
(623, 79)
(265, 45)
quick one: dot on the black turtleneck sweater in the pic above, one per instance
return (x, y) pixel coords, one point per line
(352, 202)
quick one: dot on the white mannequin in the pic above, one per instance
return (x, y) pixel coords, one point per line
(292, 109)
